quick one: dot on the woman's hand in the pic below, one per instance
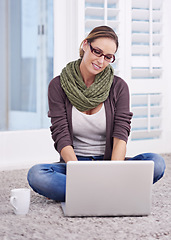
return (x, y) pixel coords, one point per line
(119, 149)
(68, 154)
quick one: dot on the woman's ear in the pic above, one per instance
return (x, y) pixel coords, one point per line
(84, 46)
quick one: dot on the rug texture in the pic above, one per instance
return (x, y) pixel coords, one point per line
(46, 221)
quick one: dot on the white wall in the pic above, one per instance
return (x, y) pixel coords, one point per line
(68, 32)
(22, 149)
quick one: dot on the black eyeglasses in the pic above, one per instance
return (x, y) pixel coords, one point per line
(97, 52)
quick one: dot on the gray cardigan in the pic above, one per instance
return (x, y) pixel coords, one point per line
(118, 115)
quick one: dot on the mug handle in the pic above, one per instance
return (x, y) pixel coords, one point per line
(12, 201)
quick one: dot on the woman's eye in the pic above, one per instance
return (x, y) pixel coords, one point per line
(97, 52)
(108, 57)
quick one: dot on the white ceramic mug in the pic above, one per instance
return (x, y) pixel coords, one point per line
(20, 200)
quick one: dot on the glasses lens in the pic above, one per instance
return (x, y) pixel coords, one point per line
(97, 52)
(110, 59)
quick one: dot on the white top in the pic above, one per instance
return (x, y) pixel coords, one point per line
(89, 132)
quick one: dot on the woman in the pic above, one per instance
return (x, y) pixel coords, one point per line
(90, 116)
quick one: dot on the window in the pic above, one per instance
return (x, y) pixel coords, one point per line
(146, 69)
(147, 109)
(28, 36)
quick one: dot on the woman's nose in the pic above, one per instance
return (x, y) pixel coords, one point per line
(101, 59)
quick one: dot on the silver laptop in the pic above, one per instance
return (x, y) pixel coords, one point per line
(108, 188)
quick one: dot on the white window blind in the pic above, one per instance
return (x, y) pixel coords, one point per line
(101, 12)
(147, 118)
(146, 66)
(146, 39)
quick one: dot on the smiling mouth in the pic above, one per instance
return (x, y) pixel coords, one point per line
(96, 66)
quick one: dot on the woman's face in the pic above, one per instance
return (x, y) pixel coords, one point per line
(93, 64)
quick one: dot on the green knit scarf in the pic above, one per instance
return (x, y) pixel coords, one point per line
(79, 95)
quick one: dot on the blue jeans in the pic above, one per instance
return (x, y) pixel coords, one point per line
(49, 180)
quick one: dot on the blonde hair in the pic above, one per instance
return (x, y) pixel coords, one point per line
(100, 32)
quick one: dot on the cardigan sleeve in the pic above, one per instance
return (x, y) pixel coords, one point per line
(58, 114)
(122, 115)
